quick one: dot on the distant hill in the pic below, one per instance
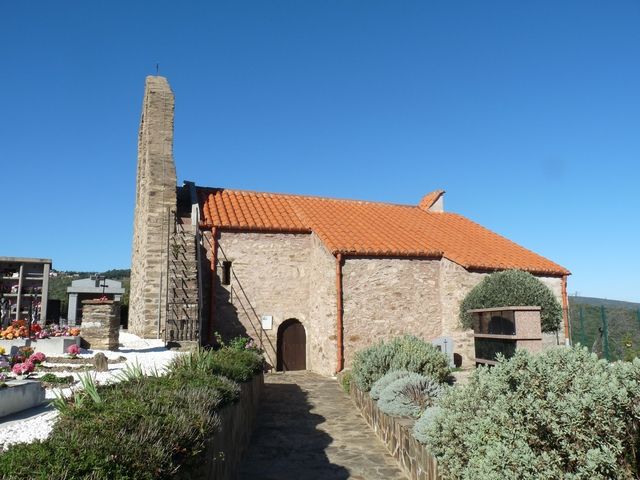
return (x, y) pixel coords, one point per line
(622, 320)
(575, 300)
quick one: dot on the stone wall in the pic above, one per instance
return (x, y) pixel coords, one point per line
(270, 276)
(385, 297)
(282, 275)
(101, 324)
(395, 432)
(321, 346)
(455, 283)
(155, 198)
(294, 276)
(229, 444)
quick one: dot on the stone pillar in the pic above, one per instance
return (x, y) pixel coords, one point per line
(73, 307)
(155, 200)
(101, 324)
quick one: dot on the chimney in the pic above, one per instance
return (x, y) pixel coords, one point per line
(433, 202)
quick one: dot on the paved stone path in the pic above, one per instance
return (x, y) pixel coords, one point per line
(309, 429)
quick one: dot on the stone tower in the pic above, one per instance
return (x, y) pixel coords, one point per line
(154, 210)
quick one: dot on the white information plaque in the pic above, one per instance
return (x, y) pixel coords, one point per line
(267, 322)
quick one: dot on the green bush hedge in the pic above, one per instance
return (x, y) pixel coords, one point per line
(237, 365)
(145, 428)
(402, 353)
(513, 288)
(557, 415)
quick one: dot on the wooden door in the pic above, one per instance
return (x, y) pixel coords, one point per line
(294, 347)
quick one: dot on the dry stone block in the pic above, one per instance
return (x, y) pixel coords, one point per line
(101, 324)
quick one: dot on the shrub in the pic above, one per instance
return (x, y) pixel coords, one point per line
(345, 381)
(147, 428)
(425, 422)
(513, 288)
(559, 414)
(143, 428)
(238, 365)
(402, 353)
(416, 355)
(53, 378)
(409, 396)
(384, 381)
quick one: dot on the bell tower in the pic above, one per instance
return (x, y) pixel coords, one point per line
(154, 210)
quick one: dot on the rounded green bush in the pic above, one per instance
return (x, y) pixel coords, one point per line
(513, 288)
(559, 414)
(402, 353)
(408, 396)
(388, 378)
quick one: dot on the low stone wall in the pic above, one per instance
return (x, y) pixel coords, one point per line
(100, 324)
(395, 432)
(229, 444)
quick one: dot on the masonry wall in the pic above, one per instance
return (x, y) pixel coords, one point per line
(282, 275)
(455, 283)
(270, 277)
(322, 352)
(155, 198)
(384, 298)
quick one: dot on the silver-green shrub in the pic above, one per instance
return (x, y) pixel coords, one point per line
(415, 355)
(424, 422)
(402, 353)
(370, 364)
(388, 378)
(561, 414)
(409, 396)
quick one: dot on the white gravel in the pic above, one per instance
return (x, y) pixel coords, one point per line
(36, 423)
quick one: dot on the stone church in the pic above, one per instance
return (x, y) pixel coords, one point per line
(310, 279)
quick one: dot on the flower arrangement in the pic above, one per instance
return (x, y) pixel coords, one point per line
(37, 358)
(25, 352)
(18, 329)
(24, 368)
(73, 351)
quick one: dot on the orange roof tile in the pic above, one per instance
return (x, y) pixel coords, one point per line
(353, 227)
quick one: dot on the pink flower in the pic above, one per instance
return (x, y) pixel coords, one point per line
(23, 368)
(37, 358)
(73, 350)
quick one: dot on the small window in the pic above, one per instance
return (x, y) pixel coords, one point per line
(226, 273)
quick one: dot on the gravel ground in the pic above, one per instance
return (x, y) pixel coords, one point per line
(36, 423)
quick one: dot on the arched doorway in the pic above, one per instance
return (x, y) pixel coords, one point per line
(292, 346)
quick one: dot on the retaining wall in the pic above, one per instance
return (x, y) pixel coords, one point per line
(395, 432)
(230, 442)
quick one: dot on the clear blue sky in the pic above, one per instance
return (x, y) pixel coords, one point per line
(526, 113)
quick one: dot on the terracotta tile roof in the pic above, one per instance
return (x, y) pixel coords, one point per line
(363, 228)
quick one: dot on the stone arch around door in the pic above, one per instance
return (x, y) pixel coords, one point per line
(291, 346)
